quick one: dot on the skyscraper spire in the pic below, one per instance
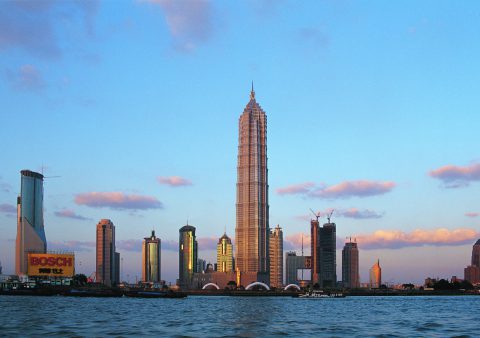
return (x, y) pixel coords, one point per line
(252, 93)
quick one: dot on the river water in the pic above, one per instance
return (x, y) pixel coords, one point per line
(456, 316)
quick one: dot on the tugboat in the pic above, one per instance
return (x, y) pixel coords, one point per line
(321, 294)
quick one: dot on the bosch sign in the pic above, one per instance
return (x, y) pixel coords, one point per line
(61, 265)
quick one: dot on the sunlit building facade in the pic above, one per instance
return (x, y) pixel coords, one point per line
(276, 257)
(252, 210)
(30, 225)
(315, 250)
(472, 272)
(350, 270)
(376, 275)
(151, 259)
(107, 266)
(476, 254)
(188, 255)
(225, 254)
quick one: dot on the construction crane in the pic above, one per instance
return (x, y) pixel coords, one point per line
(329, 215)
(317, 215)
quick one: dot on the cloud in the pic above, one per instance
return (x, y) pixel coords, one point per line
(71, 246)
(346, 189)
(27, 78)
(207, 243)
(190, 22)
(170, 245)
(294, 241)
(301, 188)
(133, 245)
(358, 214)
(472, 214)
(174, 181)
(456, 176)
(396, 239)
(66, 213)
(8, 209)
(118, 201)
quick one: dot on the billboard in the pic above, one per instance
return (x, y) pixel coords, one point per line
(55, 265)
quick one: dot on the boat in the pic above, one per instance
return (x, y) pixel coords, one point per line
(154, 294)
(321, 294)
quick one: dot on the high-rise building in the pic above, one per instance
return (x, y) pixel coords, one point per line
(151, 259)
(187, 255)
(376, 275)
(472, 274)
(201, 265)
(224, 254)
(276, 257)
(30, 226)
(252, 226)
(476, 254)
(315, 250)
(350, 273)
(323, 250)
(293, 263)
(106, 262)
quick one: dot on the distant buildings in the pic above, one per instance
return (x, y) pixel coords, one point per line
(225, 254)
(107, 259)
(376, 276)
(30, 226)
(276, 257)
(350, 270)
(187, 252)
(201, 265)
(293, 263)
(252, 223)
(151, 259)
(472, 272)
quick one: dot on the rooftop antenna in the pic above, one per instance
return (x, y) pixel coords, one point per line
(42, 170)
(317, 215)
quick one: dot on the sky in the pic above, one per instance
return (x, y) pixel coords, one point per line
(130, 108)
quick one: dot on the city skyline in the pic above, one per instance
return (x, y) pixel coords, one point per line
(382, 132)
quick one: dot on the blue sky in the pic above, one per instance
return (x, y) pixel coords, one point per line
(371, 105)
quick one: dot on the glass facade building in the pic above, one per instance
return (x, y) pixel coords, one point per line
(224, 254)
(151, 259)
(350, 270)
(276, 257)
(324, 259)
(252, 211)
(30, 225)
(188, 255)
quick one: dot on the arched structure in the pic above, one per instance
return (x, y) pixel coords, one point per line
(252, 285)
(289, 286)
(210, 284)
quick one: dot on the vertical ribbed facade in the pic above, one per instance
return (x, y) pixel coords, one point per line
(350, 273)
(376, 275)
(106, 258)
(188, 256)
(315, 250)
(30, 226)
(224, 254)
(252, 227)
(276, 257)
(151, 259)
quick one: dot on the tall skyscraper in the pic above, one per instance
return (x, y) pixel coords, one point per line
(224, 254)
(323, 250)
(107, 265)
(476, 254)
(252, 226)
(276, 257)
(187, 255)
(376, 275)
(350, 273)
(315, 250)
(151, 259)
(30, 226)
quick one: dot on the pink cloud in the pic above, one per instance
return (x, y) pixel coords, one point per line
(190, 22)
(347, 189)
(456, 176)
(207, 243)
(27, 78)
(174, 181)
(71, 245)
(133, 245)
(472, 214)
(395, 239)
(8, 209)
(294, 241)
(118, 201)
(301, 188)
(66, 213)
(358, 214)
